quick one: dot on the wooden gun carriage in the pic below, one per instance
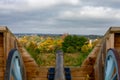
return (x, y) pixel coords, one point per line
(103, 63)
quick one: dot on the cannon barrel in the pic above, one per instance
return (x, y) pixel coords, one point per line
(59, 69)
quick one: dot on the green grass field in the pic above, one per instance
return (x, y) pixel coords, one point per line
(48, 59)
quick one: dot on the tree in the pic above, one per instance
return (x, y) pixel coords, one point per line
(67, 42)
(84, 48)
(70, 49)
(74, 42)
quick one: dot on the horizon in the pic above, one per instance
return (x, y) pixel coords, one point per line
(57, 34)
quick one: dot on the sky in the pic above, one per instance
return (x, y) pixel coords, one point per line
(60, 16)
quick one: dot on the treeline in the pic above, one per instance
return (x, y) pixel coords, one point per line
(69, 43)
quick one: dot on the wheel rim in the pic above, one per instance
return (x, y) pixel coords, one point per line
(111, 65)
(14, 67)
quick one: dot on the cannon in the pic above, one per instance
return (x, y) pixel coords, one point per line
(59, 69)
(14, 66)
(59, 72)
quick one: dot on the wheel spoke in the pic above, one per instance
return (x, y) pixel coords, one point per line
(16, 70)
(110, 68)
(114, 77)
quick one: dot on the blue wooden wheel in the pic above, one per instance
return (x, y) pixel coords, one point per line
(112, 65)
(14, 66)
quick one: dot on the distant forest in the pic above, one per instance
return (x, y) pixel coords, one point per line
(54, 35)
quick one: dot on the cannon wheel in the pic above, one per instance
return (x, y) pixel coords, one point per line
(14, 66)
(112, 65)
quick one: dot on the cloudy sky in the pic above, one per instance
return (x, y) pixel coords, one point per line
(60, 16)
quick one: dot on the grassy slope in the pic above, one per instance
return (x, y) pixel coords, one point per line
(48, 59)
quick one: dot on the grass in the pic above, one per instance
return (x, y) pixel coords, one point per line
(74, 59)
(48, 59)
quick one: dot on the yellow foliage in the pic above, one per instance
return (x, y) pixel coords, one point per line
(84, 48)
(43, 44)
(23, 41)
(90, 46)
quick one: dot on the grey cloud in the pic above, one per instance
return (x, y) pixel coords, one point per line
(48, 20)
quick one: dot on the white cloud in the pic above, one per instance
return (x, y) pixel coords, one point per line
(94, 11)
(25, 5)
(37, 4)
(41, 3)
(72, 2)
(91, 12)
(13, 5)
